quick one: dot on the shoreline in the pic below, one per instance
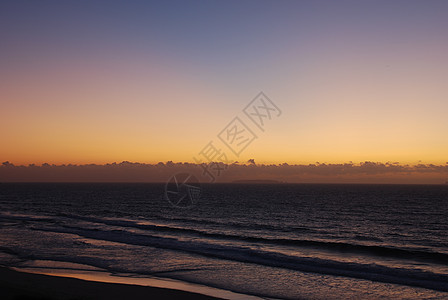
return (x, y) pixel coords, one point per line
(100, 275)
(31, 284)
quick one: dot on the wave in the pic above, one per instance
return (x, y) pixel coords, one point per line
(383, 251)
(410, 277)
(374, 250)
(238, 225)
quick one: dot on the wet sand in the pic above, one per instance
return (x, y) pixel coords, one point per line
(26, 286)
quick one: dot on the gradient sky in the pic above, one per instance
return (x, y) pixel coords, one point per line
(104, 81)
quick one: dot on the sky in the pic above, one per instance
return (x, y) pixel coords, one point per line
(147, 81)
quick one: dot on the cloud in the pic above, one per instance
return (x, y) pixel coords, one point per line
(365, 172)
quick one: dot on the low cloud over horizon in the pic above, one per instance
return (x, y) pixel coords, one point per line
(365, 172)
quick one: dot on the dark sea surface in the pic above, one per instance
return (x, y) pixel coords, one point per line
(288, 241)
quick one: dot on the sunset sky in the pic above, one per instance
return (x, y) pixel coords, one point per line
(104, 81)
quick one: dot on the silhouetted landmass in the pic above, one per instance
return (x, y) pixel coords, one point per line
(257, 181)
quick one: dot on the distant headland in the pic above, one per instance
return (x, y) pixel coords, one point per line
(258, 181)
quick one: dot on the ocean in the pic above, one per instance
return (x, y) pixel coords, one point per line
(282, 241)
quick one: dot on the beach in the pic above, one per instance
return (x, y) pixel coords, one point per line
(21, 285)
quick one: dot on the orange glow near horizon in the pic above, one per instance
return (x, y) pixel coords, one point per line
(373, 94)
